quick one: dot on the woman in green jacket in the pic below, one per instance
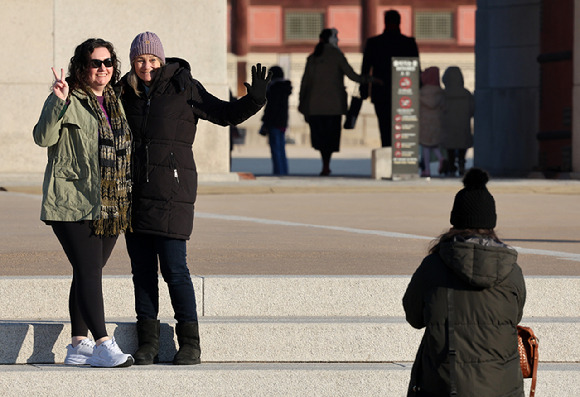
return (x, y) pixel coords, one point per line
(86, 188)
(469, 295)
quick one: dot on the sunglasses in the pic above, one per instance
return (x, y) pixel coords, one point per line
(96, 63)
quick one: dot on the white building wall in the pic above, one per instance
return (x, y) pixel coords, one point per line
(38, 34)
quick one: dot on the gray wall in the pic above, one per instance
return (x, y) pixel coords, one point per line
(38, 34)
(507, 86)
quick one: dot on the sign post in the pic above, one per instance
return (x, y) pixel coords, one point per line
(405, 117)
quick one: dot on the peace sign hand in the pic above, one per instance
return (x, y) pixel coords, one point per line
(60, 86)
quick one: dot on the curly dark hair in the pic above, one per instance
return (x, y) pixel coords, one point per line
(79, 63)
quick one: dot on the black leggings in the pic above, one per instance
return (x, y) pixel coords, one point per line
(87, 254)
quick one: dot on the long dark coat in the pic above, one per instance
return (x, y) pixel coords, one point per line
(378, 52)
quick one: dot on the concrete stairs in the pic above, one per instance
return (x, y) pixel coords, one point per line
(263, 335)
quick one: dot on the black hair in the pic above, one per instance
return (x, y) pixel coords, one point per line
(392, 17)
(453, 232)
(324, 37)
(80, 63)
(277, 72)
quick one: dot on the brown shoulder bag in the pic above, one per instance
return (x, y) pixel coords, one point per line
(528, 349)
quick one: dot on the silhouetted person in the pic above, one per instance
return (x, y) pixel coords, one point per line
(275, 119)
(379, 51)
(430, 112)
(323, 96)
(459, 108)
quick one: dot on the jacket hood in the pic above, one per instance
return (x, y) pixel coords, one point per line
(280, 85)
(180, 62)
(478, 261)
(453, 78)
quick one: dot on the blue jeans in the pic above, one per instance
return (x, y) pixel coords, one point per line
(146, 252)
(277, 140)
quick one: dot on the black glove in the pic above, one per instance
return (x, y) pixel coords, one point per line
(257, 91)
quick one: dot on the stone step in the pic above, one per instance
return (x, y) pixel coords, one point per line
(243, 379)
(275, 339)
(46, 297)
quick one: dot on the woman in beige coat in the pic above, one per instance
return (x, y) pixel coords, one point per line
(323, 98)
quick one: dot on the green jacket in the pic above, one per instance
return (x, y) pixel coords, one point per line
(72, 182)
(489, 296)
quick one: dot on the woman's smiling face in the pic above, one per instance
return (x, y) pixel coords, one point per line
(99, 77)
(145, 66)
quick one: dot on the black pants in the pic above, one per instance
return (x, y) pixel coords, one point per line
(149, 253)
(87, 254)
(452, 154)
(383, 111)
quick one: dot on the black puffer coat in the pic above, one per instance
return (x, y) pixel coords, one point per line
(489, 295)
(164, 123)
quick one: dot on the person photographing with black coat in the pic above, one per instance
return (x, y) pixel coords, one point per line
(469, 295)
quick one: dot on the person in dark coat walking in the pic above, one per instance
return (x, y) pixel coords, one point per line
(275, 119)
(459, 108)
(469, 295)
(378, 52)
(163, 104)
(323, 98)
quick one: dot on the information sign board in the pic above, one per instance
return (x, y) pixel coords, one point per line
(405, 116)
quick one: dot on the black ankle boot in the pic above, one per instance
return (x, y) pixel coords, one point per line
(148, 335)
(188, 339)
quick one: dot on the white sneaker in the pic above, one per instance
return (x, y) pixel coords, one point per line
(80, 354)
(108, 354)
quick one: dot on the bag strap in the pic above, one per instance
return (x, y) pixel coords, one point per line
(534, 345)
(452, 351)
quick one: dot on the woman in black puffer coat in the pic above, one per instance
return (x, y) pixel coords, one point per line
(163, 104)
(469, 294)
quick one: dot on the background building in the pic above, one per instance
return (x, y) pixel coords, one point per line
(519, 56)
(522, 67)
(285, 33)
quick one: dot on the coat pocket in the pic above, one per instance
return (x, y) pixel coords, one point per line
(68, 169)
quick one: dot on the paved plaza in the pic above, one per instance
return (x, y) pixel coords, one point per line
(348, 224)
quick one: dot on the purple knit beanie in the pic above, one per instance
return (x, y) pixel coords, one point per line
(146, 43)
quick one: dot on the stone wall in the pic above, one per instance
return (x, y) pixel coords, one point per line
(41, 34)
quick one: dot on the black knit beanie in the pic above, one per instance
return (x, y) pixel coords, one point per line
(474, 206)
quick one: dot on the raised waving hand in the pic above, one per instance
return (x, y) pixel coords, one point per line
(260, 81)
(60, 86)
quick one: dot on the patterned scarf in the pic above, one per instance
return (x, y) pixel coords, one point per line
(115, 162)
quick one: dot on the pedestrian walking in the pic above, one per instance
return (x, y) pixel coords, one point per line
(430, 113)
(456, 136)
(275, 119)
(323, 98)
(377, 61)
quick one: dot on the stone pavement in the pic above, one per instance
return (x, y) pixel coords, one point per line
(302, 224)
(305, 225)
(298, 282)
